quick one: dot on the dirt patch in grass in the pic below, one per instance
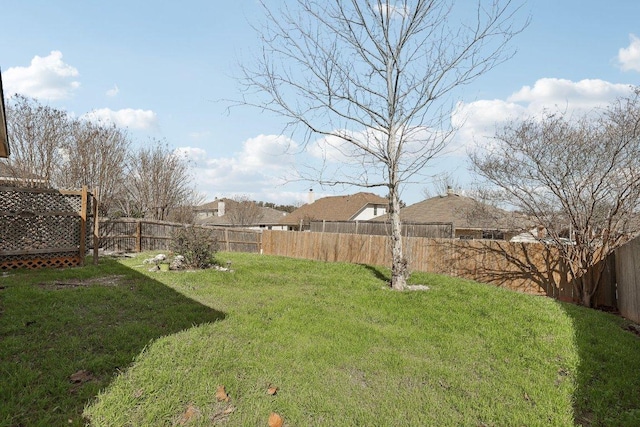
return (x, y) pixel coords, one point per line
(111, 280)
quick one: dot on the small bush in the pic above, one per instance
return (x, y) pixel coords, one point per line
(196, 245)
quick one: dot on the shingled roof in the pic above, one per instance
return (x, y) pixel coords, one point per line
(334, 208)
(463, 212)
(267, 216)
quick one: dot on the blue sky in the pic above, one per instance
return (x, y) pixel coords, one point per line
(161, 68)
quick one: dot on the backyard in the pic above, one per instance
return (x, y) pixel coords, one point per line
(320, 344)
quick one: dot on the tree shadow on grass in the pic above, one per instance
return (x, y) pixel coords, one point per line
(65, 335)
(378, 273)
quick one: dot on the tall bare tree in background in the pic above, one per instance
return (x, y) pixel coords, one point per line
(374, 79)
(49, 147)
(37, 133)
(94, 155)
(579, 178)
(158, 182)
(243, 211)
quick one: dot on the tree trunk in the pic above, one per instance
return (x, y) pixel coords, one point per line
(399, 267)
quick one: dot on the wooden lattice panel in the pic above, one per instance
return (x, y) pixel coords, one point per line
(41, 201)
(40, 262)
(24, 233)
(43, 227)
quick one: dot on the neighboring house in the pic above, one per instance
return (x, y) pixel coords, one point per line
(355, 207)
(471, 219)
(211, 209)
(243, 214)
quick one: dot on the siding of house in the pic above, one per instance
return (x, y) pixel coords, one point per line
(369, 212)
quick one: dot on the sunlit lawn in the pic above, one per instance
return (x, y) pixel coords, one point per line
(342, 349)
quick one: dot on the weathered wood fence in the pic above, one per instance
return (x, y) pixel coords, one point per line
(627, 270)
(434, 230)
(525, 267)
(45, 227)
(137, 235)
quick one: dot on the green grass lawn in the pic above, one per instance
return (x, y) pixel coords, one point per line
(123, 346)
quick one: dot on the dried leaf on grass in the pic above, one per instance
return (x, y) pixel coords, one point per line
(221, 394)
(272, 390)
(190, 413)
(275, 420)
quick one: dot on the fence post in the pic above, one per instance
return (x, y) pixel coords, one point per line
(139, 236)
(226, 238)
(96, 226)
(83, 223)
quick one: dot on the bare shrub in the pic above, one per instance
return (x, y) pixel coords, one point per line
(196, 245)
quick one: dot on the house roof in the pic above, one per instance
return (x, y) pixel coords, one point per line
(463, 212)
(211, 206)
(267, 216)
(334, 208)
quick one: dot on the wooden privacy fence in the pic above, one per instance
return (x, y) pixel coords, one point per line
(137, 235)
(627, 270)
(526, 267)
(45, 227)
(433, 230)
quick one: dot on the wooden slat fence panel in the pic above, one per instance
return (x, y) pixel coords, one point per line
(409, 229)
(136, 235)
(526, 267)
(627, 262)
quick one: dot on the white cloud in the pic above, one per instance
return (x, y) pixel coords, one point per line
(46, 77)
(126, 118)
(561, 93)
(392, 11)
(113, 91)
(478, 120)
(196, 155)
(629, 57)
(258, 171)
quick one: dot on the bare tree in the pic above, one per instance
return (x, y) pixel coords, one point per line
(185, 212)
(94, 156)
(375, 80)
(441, 185)
(158, 182)
(37, 133)
(243, 212)
(579, 178)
